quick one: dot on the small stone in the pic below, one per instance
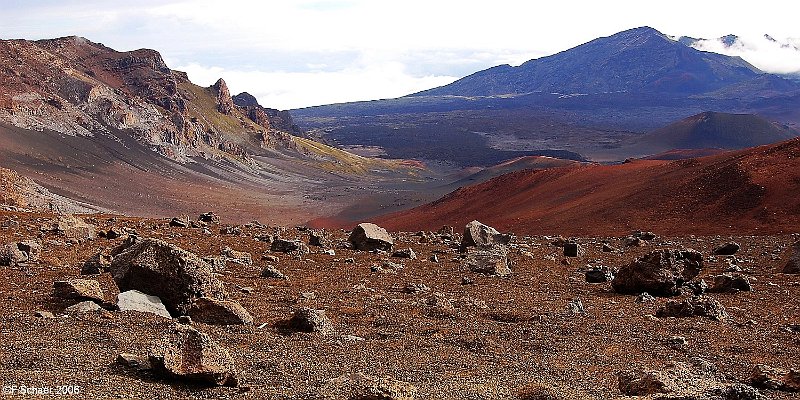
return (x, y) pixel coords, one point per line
(434, 258)
(310, 321)
(599, 275)
(44, 314)
(187, 354)
(645, 298)
(676, 341)
(184, 320)
(405, 253)
(483, 236)
(607, 248)
(179, 222)
(270, 258)
(272, 272)
(572, 249)
(731, 283)
(237, 257)
(209, 217)
(219, 312)
(727, 249)
(133, 361)
(575, 307)
(97, 264)
(83, 307)
(465, 280)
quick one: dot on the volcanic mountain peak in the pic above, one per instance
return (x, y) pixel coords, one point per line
(636, 60)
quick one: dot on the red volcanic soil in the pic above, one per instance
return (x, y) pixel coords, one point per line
(682, 154)
(752, 191)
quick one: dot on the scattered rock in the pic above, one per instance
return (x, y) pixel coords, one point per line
(237, 257)
(78, 289)
(369, 237)
(219, 312)
(727, 249)
(575, 307)
(359, 386)
(488, 262)
(632, 241)
(11, 255)
(74, 228)
(607, 248)
(793, 265)
(134, 300)
(405, 253)
(416, 288)
(209, 218)
(645, 298)
(179, 222)
(133, 361)
(701, 306)
(272, 272)
(286, 246)
(97, 264)
(766, 377)
(434, 258)
(695, 287)
(642, 382)
(559, 241)
(231, 230)
(731, 283)
(676, 341)
(648, 236)
(270, 258)
(84, 307)
(572, 249)
(44, 314)
(387, 267)
(317, 239)
(311, 321)
(465, 280)
(160, 269)
(599, 275)
(217, 264)
(740, 391)
(188, 354)
(660, 272)
(483, 236)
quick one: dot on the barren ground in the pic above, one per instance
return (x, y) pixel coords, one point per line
(503, 334)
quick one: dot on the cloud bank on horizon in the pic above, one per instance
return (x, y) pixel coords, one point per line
(300, 53)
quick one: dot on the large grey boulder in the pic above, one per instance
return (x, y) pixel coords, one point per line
(134, 300)
(160, 269)
(479, 235)
(489, 262)
(369, 237)
(660, 273)
(190, 355)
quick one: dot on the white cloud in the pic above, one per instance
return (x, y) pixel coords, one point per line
(286, 90)
(780, 56)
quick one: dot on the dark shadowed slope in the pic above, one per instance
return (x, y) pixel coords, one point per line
(749, 191)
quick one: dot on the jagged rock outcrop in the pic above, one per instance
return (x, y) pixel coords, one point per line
(659, 273)
(224, 101)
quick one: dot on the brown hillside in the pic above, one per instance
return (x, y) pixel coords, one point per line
(748, 191)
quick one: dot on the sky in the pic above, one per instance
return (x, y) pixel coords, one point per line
(299, 53)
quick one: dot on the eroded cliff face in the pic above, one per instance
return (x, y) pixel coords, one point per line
(75, 87)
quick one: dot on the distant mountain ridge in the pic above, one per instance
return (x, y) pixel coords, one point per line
(636, 60)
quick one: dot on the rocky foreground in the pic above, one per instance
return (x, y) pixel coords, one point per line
(123, 307)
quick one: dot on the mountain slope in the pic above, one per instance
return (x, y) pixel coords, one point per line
(713, 130)
(748, 191)
(123, 131)
(635, 60)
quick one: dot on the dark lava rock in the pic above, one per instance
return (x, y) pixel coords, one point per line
(179, 222)
(793, 265)
(369, 237)
(311, 321)
(599, 275)
(727, 249)
(728, 283)
(209, 218)
(701, 306)
(190, 355)
(644, 235)
(285, 246)
(405, 253)
(660, 272)
(572, 249)
(97, 264)
(160, 269)
(317, 239)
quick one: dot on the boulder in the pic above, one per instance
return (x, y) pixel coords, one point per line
(209, 218)
(793, 265)
(288, 246)
(74, 228)
(11, 255)
(272, 272)
(365, 387)
(488, 262)
(599, 275)
(727, 249)
(317, 239)
(78, 289)
(700, 306)
(766, 377)
(134, 300)
(160, 269)
(405, 253)
(97, 264)
(369, 237)
(659, 273)
(219, 312)
(730, 283)
(642, 382)
(237, 257)
(190, 355)
(310, 321)
(572, 249)
(179, 222)
(479, 235)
